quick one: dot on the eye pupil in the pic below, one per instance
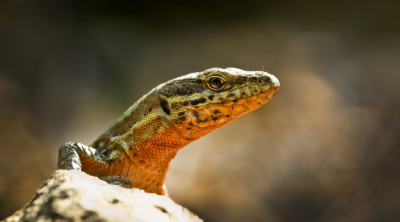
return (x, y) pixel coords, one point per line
(216, 83)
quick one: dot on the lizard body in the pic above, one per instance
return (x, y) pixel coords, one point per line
(141, 143)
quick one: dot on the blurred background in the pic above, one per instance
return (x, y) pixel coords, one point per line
(325, 148)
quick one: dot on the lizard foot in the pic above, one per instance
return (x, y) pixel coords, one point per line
(117, 180)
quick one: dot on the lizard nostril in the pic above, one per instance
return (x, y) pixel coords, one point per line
(265, 79)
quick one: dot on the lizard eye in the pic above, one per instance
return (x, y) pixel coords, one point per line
(216, 83)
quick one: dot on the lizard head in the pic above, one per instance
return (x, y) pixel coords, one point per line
(201, 102)
(189, 107)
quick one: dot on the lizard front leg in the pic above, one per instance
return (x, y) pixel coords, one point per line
(85, 158)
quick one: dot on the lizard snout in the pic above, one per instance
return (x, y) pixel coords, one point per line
(269, 79)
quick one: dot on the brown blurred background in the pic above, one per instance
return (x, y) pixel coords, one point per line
(325, 148)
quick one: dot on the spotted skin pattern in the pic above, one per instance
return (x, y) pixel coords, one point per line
(137, 149)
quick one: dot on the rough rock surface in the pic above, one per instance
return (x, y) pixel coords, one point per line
(75, 196)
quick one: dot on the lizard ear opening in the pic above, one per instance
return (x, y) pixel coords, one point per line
(165, 105)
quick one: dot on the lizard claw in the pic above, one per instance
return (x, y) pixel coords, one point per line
(117, 180)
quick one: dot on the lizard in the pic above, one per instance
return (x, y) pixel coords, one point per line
(136, 150)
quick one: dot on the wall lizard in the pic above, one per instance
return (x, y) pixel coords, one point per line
(136, 150)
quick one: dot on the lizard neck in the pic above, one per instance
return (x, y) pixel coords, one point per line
(146, 133)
